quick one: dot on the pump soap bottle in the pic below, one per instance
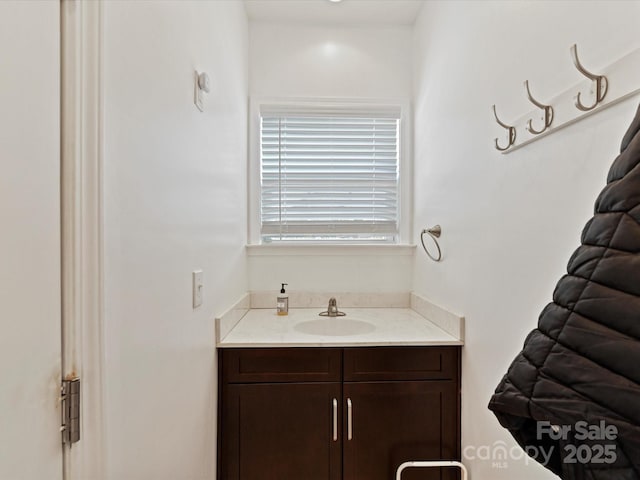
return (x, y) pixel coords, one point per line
(283, 302)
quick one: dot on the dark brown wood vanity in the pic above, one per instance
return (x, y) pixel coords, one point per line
(352, 413)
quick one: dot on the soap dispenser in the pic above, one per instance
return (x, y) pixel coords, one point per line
(283, 302)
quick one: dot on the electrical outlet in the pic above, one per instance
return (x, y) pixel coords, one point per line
(198, 287)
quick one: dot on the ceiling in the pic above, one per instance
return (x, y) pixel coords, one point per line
(347, 12)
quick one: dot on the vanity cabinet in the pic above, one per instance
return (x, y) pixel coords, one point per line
(277, 414)
(351, 413)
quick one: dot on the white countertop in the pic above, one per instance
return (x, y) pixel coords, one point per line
(363, 327)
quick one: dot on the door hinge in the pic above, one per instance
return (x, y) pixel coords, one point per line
(70, 397)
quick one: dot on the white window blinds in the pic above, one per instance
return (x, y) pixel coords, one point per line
(329, 174)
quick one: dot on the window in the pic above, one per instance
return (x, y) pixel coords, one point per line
(329, 174)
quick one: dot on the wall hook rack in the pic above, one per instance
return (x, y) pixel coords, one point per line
(510, 129)
(602, 84)
(617, 81)
(548, 112)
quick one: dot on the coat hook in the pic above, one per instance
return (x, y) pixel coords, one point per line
(602, 83)
(548, 112)
(511, 130)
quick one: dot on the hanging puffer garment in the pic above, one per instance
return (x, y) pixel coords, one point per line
(571, 398)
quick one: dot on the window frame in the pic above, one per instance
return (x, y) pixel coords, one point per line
(405, 164)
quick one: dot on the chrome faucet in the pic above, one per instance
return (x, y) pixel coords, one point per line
(332, 309)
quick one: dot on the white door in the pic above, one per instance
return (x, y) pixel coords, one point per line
(30, 328)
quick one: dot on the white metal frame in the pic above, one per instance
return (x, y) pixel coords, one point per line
(432, 464)
(405, 201)
(82, 234)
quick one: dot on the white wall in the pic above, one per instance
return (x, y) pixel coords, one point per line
(175, 201)
(30, 240)
(510, 222)
(329, 61)
(337, 62)
(325, 272)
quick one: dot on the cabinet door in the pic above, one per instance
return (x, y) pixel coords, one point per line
(281, 431)
(395, 422)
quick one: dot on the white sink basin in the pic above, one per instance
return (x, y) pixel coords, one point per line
(334, 327)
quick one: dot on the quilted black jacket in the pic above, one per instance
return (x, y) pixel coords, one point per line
(578, 374)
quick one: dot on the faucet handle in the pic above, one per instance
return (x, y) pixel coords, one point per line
(332, 309)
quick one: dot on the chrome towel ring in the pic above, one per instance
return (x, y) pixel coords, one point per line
(434, 232)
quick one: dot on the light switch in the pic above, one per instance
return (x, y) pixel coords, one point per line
(198, 287)
(201, 86)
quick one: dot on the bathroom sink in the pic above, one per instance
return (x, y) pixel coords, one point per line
(335, 327)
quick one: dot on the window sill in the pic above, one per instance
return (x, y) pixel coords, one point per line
(330, 250)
